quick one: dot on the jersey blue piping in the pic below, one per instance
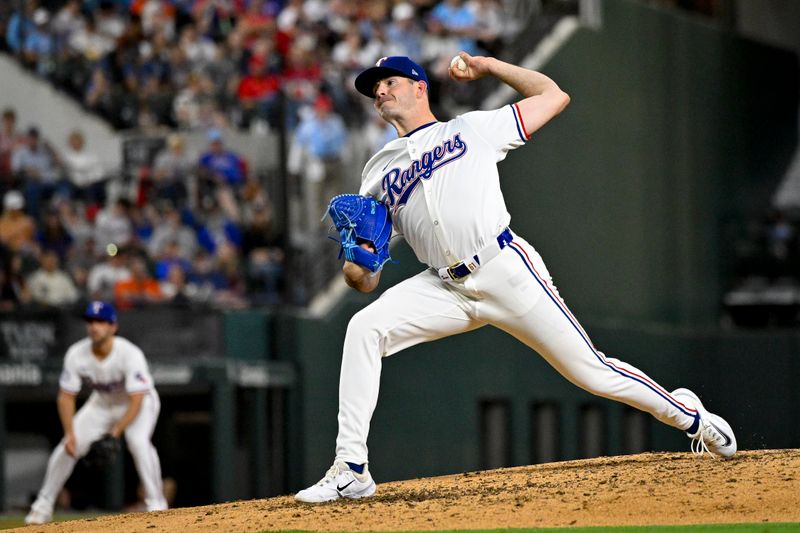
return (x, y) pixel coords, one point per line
(589, 344)
(415, 130)
(516, 122)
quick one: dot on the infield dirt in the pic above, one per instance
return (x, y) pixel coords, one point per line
(645, 489)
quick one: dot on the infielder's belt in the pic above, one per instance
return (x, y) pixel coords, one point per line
(465, 267)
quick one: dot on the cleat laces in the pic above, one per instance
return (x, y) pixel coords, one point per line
(332, 473)
(707, 433)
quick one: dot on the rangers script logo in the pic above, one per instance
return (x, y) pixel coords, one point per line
(399, 184)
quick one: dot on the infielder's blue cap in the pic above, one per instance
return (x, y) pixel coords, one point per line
(385, 67)
(100, 311)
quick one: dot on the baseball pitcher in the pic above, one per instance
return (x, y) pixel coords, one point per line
(440, 186)
(123, 402)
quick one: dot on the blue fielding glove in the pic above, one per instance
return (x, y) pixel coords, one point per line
(360, 219)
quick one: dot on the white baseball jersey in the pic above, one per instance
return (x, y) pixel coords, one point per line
(442, 186)
(124, 371)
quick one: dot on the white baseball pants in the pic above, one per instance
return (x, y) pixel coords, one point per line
(93, 420)
(513, 292)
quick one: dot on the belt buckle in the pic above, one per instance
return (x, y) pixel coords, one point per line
(471, 267)
(452, 273)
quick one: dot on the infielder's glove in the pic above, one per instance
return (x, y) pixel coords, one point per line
(103, 452)
(360, 219)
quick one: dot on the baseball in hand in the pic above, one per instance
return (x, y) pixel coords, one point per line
(458, 63)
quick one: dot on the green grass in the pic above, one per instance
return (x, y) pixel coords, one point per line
(12, 521)
(8, 522)
(705, 528)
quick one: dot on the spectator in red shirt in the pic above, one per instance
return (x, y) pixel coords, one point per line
(10, 138)
(301, 79)
(258, 91)
(258, 19)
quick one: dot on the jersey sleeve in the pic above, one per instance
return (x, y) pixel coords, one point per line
(69, 380)
(503, 129)
(137, 374)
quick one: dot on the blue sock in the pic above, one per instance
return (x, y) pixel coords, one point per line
(696, 424)
(358, 469)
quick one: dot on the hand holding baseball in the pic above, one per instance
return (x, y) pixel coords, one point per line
(458, 63)
(465, 67)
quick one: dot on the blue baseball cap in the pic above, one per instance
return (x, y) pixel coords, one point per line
(385, 67)
(214, 135)
(98, 310)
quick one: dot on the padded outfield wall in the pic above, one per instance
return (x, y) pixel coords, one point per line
(674, 127)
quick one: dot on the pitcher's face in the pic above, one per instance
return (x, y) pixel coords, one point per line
(396, 97)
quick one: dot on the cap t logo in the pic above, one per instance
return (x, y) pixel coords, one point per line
(380, 61)
(96, 307)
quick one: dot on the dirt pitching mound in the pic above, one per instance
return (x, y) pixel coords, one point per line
(646, 489)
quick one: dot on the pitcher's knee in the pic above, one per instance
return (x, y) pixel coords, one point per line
(363, 326)
(364, 336)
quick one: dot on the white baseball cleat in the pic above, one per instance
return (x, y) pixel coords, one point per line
(714, 434)
(339, 482)
(36, 517)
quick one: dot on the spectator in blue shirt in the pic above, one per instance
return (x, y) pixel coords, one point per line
(19, 25)
(322, 133)
(37, 48)
(213, 227)
(35, 166)
(404, 30)
(219, 166)
(170, 257)
(316, 156)
(459, 21)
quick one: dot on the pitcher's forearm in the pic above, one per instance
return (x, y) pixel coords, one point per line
(525, 81)
(360, 278)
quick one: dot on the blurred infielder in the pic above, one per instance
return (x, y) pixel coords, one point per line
(439, 182)
(123, 401)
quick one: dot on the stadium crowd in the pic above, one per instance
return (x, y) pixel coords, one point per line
(216, 63)
(197, 230)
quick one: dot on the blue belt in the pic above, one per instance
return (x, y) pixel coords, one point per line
(464, 268)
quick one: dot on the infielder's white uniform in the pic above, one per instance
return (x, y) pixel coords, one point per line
(441, 184)
(123, 372)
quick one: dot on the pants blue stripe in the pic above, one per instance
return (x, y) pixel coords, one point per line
(588, 343)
